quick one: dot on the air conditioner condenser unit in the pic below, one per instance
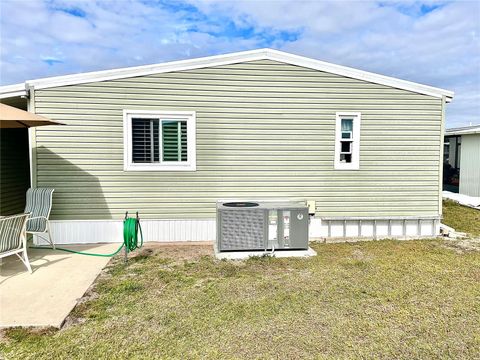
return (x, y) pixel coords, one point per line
(262, 226)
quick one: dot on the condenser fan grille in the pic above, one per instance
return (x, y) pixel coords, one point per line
(242, 229)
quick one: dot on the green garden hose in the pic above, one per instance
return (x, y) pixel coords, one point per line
(131, 226)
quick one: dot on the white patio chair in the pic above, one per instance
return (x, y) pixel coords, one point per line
(13, 237)
(39, 205)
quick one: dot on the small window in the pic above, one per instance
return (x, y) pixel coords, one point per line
(159, 141)
(347, 141)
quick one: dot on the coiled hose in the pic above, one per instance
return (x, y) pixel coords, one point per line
(131, 226)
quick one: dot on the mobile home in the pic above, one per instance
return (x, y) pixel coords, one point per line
(462, 154)
(169, 140)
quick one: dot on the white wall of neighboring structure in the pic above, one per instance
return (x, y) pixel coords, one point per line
(470, 165)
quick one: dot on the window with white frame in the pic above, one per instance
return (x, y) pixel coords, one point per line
(159, 140)
(347, 141)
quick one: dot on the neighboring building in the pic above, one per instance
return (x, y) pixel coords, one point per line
(462, 153)
(170, 139)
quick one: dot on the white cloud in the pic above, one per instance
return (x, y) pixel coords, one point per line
(435, 43)
(440, 47)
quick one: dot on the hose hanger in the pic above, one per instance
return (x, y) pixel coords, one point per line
(131, 228)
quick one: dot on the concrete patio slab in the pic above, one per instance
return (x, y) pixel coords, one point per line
(46, 297)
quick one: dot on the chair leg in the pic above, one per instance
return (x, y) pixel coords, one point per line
(24, 258)
(47, 235)
(49, 231)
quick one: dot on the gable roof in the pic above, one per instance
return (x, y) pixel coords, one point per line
(465, 130)
(217, 60)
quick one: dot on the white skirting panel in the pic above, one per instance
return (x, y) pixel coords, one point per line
(394, 228)
(106, 231)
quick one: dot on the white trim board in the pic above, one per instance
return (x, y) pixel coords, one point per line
(188, 116)
(355, 140)
(232, 58)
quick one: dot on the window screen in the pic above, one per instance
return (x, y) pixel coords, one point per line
(174, 139)
(146, 136)
(145, 140)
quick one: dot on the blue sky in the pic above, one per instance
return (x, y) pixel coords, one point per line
(431, 42)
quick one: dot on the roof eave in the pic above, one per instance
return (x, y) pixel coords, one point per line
(226, 59)
(462, 132)
(361, 74)
(15, 90)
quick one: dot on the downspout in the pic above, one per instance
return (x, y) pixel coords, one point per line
(32, 138)
(440, 170)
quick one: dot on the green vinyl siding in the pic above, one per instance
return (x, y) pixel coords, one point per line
(263, 130)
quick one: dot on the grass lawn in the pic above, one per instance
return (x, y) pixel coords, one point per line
(461, 218)
(383, 299)
(378, 299)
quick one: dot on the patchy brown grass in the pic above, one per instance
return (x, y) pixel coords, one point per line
(382, 299)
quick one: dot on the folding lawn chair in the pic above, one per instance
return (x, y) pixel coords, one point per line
(39, 204)
(13, 237)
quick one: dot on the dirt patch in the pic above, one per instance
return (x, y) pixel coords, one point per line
(19, 333)
(177, 251)
(359, 255)
(72, 320)
(91, 294)
(3, 339)
(463, 245)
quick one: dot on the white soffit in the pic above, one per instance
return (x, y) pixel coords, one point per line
(232, 58)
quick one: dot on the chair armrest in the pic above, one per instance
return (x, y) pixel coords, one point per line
(37, 217)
